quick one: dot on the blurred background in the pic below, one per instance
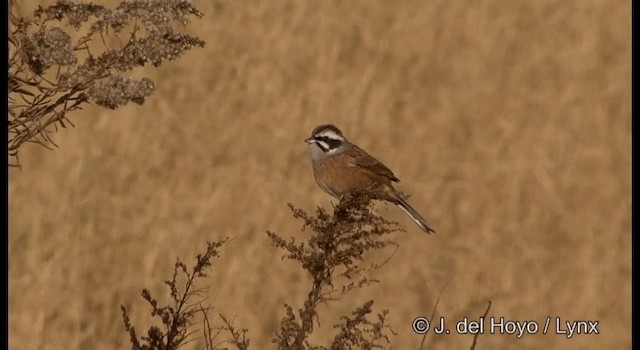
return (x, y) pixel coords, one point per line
(507, 121)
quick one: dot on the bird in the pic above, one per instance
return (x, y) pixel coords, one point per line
(341, 167)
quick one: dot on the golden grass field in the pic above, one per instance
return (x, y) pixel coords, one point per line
(508, 122)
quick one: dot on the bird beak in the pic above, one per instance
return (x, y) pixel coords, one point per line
(309, 139)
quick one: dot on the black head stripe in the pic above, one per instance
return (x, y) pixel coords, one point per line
(327, 143)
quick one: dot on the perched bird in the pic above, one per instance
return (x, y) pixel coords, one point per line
(340, 167)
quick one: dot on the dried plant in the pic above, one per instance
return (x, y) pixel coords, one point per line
(334, 257)
(64, 57)
(178, 317)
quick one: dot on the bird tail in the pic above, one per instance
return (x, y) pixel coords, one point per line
(414, 215)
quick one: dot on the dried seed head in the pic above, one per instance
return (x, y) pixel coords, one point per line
(46, 47)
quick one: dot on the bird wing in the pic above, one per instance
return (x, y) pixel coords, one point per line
(361, 159)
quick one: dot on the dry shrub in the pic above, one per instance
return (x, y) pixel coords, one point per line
(178, 317)
(51, 73)
(335, 258)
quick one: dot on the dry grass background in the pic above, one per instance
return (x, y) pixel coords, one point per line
(508, 121)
